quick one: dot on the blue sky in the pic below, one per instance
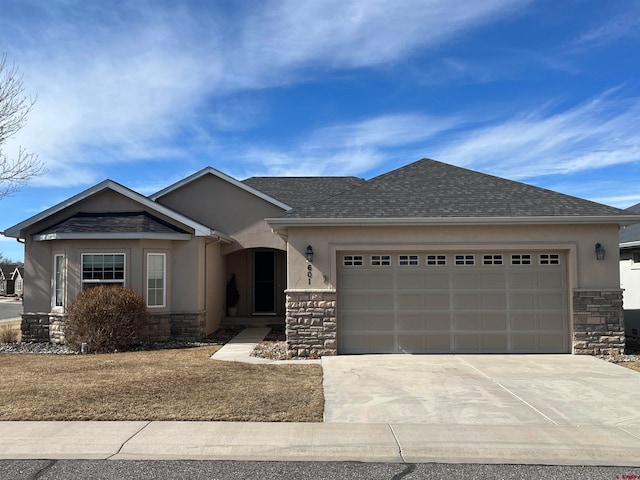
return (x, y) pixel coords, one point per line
(147, 92)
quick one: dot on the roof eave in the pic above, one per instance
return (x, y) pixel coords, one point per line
(634, 244)
(111, 236)
(419, 221)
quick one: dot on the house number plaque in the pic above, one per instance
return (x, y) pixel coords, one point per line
(309, 273)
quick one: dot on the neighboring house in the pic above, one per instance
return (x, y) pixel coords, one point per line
(630, 274)
(11, 279)
(426, 258)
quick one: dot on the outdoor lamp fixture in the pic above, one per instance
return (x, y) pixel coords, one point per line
(600, 251)
(309, 254)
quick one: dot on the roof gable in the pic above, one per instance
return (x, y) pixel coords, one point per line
(212, 171)
(17, 231)
(428, 189)
(298, 191)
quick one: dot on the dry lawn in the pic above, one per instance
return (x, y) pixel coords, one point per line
(632, 365)
(181, 384)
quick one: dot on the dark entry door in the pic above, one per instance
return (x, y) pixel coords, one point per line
(264, 278)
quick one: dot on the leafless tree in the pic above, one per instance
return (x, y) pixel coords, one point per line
(14, 108)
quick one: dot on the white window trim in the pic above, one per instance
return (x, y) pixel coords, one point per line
(410, 259)
(164, 280)
(63, 281)
(103, 282)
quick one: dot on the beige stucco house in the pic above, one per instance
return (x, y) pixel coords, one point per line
(630, 274)
(426, 258)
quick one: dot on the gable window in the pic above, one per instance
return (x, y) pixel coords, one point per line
(380, 260)
(408, 260)
(58, 280)
(549, 259)
(102, 269)
(436, 260)
(492, 259)
(465, 259)
(520, 259)
(156, 275)
(352, 260)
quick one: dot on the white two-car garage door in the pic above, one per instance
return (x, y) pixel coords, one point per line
(462, 302)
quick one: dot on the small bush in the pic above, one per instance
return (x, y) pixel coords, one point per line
(8, 334)
(107, 319)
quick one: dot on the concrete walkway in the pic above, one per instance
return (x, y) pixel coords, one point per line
(239, 349)
(410, 443)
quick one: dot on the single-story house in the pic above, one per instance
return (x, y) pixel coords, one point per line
(11, 279)
(630, 274)
(427, 258)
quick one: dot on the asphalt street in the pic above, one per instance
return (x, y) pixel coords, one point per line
(10, 309)
(196, 470)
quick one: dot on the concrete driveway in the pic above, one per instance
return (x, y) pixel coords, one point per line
(480, 390)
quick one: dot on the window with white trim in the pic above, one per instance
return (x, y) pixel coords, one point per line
(58, 280)
(549, 259)
(156, 279)
(520, 259)
(492, 259)
(380, 260)
(352, 260)
(440, 260)
(408, 260)
(465, 260)
(102, 269)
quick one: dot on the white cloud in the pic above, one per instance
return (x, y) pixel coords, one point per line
(620, 26)
(120, 84)
(602, 132)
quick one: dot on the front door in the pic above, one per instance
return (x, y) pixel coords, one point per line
(264, 282)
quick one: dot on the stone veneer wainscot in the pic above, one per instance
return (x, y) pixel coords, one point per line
(598, 322)
(311, 323)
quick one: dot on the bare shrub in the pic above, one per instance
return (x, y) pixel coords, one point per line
(107, 319)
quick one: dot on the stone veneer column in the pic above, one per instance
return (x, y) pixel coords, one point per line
(311, 323)
(35, 327)
(598, 322)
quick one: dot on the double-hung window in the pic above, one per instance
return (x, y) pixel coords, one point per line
(102, 269)
(156, 279)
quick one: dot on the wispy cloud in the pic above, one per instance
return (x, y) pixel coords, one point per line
(620, 26)
(118, 85)
(544, 141)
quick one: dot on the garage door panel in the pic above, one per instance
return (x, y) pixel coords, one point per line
(410, 301)
(494, 301)
(437, 300)
(436, 280)
(465, 279)
(363, 300)
(411, 280)
(486, 306)
(551, 301)
(493, 280)
(466, 301)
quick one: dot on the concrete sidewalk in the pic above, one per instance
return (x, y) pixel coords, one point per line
(553, 445)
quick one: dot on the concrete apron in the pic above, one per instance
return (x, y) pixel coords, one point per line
(516, 390)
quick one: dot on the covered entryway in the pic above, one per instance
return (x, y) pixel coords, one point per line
(452, 302)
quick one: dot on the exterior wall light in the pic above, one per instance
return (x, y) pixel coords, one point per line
(600, 251)
(309, 254)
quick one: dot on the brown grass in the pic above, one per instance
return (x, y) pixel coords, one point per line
(10, 332)
(180, 384)
(632, 365)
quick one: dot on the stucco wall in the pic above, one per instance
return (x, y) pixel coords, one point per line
(228, 209)
(584, 271)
